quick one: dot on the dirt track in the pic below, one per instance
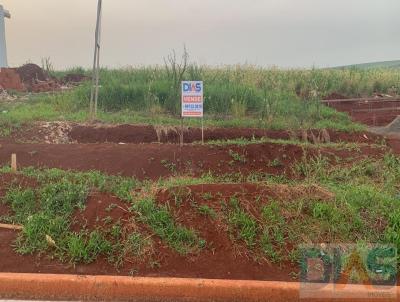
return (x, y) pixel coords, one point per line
(159, 160)
(64, 133)
(148, 134)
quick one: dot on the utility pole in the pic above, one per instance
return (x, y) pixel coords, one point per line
(94, 95)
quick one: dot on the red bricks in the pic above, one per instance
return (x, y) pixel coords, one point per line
(10, 80)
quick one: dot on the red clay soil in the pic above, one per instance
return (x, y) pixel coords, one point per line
(394, 144)
(152, 160)
(148, 134)
(100, 206)
(222, 255)
(171, 265)
(61, 132)
(7, 180)
(372, 112)
(10, 80)
(378, 119)
(221, 259)
(35, 79)
(159, 160)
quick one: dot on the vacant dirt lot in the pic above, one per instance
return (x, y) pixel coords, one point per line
(372, 112)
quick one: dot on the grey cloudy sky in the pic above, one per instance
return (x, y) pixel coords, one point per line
(286, 33)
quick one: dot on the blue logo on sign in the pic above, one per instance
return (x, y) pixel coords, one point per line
(192, 87)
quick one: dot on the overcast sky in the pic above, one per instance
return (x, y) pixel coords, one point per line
(286, 33)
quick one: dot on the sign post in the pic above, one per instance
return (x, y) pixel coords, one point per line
(192, 103)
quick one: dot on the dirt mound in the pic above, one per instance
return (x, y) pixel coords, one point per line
(10, 80)
(66, 132)
(163, 134)
(31, 73)
(169, 134)
(35, 79)
(32, 78)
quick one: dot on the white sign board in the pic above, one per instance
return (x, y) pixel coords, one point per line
(192, 98)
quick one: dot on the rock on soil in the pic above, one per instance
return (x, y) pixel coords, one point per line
(6, 97)
(56, 132)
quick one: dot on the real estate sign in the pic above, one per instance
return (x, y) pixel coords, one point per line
(192, 98)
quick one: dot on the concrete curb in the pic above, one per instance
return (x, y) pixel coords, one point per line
(109, 288)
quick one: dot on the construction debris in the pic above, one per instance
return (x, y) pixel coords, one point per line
(9, 79)
(32, 78)
(5, 96)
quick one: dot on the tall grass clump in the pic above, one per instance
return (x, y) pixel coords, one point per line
(271, 98)
(255, 87)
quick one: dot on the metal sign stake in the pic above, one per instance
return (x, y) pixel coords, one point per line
(192, 103)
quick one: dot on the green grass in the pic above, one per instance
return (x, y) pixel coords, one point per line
(245, 142)
(46, 214)
(240, 96)
(364, 206)
(22, 202)
(237, 157)
(205, 210)
(183, 240)
(45, 110)
(85, 248)
(242, 223)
